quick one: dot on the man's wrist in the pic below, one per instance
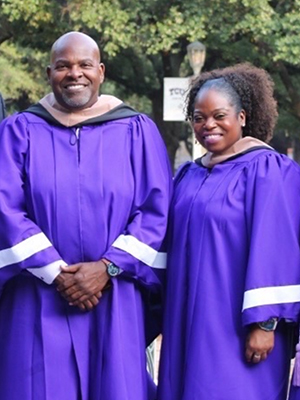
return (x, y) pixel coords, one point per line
(112, 269)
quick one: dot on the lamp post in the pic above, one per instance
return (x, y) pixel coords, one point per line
(196, 52)
(175, 89)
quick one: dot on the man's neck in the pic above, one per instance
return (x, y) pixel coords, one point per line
(66, 117)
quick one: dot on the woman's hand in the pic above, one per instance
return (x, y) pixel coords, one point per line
(259, 344)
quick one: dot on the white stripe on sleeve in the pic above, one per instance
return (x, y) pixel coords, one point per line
(160, 261)
(24, 250)
(141, 251)
(271, 295)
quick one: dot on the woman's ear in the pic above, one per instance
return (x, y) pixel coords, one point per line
(242, 118)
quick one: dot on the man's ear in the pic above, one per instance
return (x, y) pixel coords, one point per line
(48, 71)
(102, 72)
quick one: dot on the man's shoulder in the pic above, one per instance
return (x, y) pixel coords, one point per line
(121, 111)
(17, 117)
(36, 112)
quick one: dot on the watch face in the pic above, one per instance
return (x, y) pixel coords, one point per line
(269, 325)
(112, 270)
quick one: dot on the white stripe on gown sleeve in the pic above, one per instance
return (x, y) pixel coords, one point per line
(24, 250)
(141, 251)
(27, 248)
(271, 295)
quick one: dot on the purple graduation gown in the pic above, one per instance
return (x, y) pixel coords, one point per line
(69, 195)
(233, 260)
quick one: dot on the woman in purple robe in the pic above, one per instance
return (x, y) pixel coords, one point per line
(233, 292)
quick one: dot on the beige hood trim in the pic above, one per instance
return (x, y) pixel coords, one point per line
(242, 145)
(68, 118)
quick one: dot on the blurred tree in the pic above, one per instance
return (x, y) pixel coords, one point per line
(145, 41)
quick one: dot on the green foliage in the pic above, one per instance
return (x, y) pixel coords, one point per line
(20, 77)
(143, 41)
(140, 103)
(113, 27)
(161, 26)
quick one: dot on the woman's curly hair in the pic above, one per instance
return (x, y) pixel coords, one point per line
(255, 90)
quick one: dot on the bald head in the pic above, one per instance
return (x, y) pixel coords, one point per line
(74, 40)
(75, 72)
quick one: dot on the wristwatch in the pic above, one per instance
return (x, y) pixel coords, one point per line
(112, 269)
(269, 325)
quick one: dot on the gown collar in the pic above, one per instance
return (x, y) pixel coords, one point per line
(241, 146)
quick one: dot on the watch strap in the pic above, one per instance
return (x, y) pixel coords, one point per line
(269, 325)
(112, 269)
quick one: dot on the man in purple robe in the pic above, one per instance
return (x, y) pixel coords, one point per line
(84, 194)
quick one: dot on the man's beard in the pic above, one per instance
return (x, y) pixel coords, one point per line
(76, 102)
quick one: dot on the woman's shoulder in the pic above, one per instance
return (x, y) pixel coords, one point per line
(271, 166)
(185, 167)
(270, 157)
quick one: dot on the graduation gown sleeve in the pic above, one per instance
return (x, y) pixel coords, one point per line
(136, 250)
(22, 244)
(272, 287)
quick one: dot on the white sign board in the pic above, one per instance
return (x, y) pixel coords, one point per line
(175, 91)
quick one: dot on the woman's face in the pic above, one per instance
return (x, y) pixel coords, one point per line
(216, 124)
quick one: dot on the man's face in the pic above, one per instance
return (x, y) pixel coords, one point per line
(75, 73)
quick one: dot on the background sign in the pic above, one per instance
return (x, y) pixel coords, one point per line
(175, 91)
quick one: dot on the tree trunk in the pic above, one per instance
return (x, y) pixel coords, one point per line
(170, 131)
(291, 89)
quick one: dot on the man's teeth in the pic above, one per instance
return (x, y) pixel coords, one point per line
(75, 86)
